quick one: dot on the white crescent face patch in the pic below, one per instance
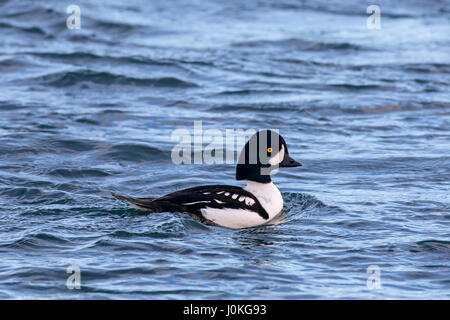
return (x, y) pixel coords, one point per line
(276, 159)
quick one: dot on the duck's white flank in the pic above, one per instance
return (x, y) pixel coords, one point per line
(233, 218)
(267, 194)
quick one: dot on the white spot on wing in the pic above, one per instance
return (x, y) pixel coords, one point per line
(234, 196)
(249, 201)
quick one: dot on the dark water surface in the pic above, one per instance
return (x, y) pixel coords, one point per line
(85, 112)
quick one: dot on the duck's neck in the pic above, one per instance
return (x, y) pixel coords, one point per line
(268, 195)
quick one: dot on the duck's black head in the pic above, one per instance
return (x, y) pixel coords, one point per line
(264, 152)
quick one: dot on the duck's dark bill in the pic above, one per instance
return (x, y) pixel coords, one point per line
(289, 162)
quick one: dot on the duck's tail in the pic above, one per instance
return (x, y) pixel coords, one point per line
(138, 203)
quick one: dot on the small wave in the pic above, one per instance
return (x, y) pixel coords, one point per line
(72, 78)
(79, 173)
(301, 201)
(251, 92)
(305, 62)
(32, 10)
(385, 109)
(421, 68)
(135, 153)
(352, 9)
(46, 145)
(253, 107)
(70, 145)
(354, 87)
(88, 121)
(37, 241)
(87, 56)
(124, 245)
(153, 234)
(9, 106)
(29, 30)
(113, 27)
(34, 196)
(21, 193)
(39, 211)
(299, 44)
(427, 68)
(432, 246)
(301, 206)
(334, 109)
(8, 65)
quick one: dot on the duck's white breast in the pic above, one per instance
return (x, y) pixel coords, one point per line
(268, 195)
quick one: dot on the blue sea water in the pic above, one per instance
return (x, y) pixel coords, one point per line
(89, 111)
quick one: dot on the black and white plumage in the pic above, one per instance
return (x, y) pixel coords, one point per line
(208, 198)
(231, 206)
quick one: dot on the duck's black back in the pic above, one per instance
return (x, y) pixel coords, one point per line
(192, 200)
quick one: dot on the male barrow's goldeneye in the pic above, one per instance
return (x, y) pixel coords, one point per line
(230, 206)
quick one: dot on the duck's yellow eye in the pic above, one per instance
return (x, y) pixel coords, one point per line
(269, 149)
